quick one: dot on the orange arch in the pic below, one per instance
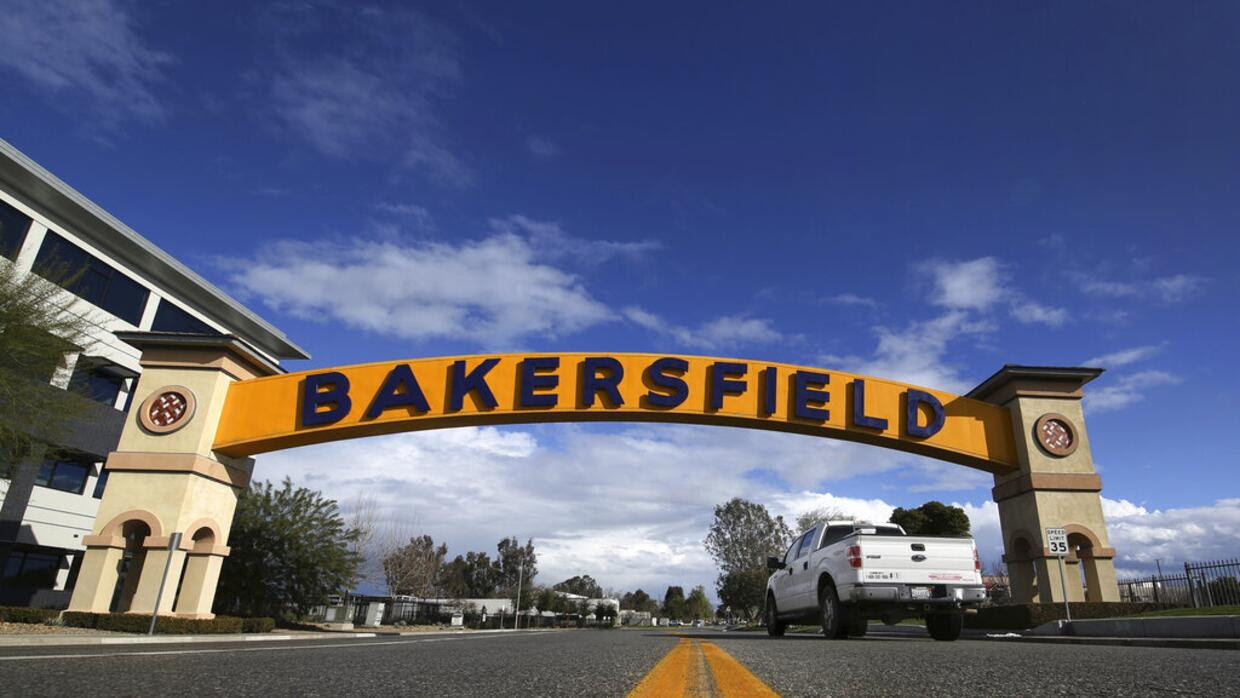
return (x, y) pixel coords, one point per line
(270, 413)
(113, 527)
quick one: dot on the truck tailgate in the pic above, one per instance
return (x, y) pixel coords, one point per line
(917, 560)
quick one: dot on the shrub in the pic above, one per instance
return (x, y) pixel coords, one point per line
(257, 625)
(18, 614)
(166, 625)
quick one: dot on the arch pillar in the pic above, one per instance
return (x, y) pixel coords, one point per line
(1056, 485)
(169, 478)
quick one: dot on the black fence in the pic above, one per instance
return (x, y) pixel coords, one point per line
(1202, 585)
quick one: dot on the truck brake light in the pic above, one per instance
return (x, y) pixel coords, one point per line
(854, 556)
(977, 561)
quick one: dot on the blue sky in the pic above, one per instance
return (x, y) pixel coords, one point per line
(912, 191)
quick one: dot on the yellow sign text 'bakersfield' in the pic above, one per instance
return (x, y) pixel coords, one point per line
(310, 407)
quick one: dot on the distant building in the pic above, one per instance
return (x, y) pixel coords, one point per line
(126, 283)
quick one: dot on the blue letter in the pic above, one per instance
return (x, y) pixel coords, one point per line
(858, 408)
(591, 383)
(529, 381)
(475, 382)
(655, 373)
(720, 373)
(313, 397)
(805, 395)
(915, 398)
(389, 394)
(768, 390)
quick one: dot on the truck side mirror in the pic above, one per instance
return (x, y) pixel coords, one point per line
(774, 563)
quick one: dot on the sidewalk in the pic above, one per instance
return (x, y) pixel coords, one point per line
(117, 639)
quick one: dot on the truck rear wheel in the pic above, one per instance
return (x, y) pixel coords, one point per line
(831, 614)
(774, 626)
(945, 627)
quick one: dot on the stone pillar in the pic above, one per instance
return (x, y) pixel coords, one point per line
(97, 579)
(164, 473)
(1056, 486)
(202, 573)
(152, 574)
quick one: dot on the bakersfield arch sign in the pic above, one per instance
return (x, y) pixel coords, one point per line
(207, 403)
(297, 409)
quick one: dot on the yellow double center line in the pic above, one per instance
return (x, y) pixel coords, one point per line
(699, 669)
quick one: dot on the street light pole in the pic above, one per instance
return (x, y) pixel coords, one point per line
(174, 542)
(516, 623)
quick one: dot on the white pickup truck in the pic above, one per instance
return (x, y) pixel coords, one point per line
(841, 574)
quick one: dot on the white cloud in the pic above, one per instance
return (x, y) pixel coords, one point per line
(87, 49)
(720, 333)
(1030, 312)
(416, 290)
(966, 285)
(917, 353)
(851, 299)
(418, 215)
(1124, 390)
(1201, 533)
(1124, 357)
(363, 83)
(1167, 290)
(550, 240)
(627, 504)
(543, 148)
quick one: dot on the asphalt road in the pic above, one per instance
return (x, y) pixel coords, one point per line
(591, 662)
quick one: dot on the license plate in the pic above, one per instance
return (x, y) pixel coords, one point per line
(921, 592)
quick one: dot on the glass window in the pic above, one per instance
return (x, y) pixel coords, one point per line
(31, 570)
(13, 227)
(792, 551)
(100, 483)
(806, 541)
(97, 384)
(835, 534)
(91, 279)
(63, 475)
(170, 318)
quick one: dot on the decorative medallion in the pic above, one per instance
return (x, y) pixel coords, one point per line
(1055, 434)
(167, 409)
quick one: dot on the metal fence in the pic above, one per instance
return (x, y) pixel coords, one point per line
(1203, 584)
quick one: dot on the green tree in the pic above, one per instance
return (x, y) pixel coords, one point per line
(515, 564)
(582, 585)
(932, 519)
(697, 606)
(743, 591)
(548, 600)
(37, 329)
(639, 601)
(674, 603)
(808, 519)
(743, 534)
(412, 569)
(291, 549)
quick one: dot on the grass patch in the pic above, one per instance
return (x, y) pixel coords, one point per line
(1211, 611)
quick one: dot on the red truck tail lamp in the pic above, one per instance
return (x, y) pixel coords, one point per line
(854, 556)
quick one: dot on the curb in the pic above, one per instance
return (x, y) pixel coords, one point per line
(53, 640)
(1168, 642)
(90, 640)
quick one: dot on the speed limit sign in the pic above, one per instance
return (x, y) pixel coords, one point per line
(1057, 541)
